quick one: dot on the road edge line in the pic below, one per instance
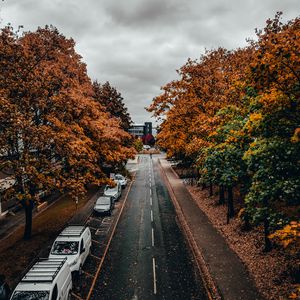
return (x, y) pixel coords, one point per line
(109, 241)
(208, 281)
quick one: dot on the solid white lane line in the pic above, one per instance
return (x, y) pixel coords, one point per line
(154, 276)
(151, 215)
(152, 236)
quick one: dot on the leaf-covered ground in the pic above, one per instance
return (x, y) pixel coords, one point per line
(273, 271)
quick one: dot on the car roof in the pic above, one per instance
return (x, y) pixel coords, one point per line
(73, 231)
(44, 271)
(104, 196)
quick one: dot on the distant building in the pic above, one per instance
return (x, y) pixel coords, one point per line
(141, 130)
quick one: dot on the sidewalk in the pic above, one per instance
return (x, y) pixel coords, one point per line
(227, 275)
(10, 222)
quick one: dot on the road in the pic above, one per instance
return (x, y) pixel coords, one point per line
(148, 257)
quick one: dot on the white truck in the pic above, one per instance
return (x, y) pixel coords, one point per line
(73, 243)
(47, 279)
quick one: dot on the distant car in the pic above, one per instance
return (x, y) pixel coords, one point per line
(114, 192)
(121, 179)
(146, 147)
(47, 279)
(74, 243)
(104, 204)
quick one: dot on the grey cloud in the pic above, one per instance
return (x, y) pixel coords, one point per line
(147, 13)
(137, 45)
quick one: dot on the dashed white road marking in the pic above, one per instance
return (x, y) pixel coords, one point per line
(151, 201)
(154, 276)
(152, 236)
(151, 215)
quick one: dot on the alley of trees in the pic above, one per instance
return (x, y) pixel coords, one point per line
(235, 117)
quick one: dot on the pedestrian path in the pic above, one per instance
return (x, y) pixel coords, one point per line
(229, 275)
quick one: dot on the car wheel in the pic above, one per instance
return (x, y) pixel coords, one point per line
(69, 295)
(80, 271)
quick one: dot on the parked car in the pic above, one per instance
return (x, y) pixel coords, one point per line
(47, 279)
(74, 243)
(114, 192)
(146, 147)
(4, 288)
(104, 204)
(122, 179)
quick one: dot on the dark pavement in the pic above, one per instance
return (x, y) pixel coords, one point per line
(228, 273)
(148, 257)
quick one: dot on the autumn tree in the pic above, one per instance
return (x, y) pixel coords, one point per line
(235, 114)
(112, 101)
(53, 134)
(273, 157)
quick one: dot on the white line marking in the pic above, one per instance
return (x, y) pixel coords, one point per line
(152, 236)
(151, 215)
(154, 276)
(151, 201)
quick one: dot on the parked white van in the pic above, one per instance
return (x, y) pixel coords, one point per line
(46, 280)
(74, 243)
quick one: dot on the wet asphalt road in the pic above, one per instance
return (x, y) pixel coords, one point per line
(148, 257)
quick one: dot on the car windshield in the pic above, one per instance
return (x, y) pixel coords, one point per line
(111, 189)
(30, 295)
(65, 248)
(103, 201)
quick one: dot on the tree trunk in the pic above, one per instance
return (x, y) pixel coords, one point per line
(230, 207)
(221, 195)
(203, 186)
(28, 207)
(247, 225)
(268, 245)
(211, 191)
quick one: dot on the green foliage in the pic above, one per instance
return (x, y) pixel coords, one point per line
(138, 144)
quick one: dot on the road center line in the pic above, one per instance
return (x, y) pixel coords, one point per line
(151, 201)
(154, 276)
(151, 215)
(152, 236)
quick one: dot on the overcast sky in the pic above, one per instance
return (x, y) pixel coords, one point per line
(137, 45)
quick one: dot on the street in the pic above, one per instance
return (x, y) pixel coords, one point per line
(148, 257)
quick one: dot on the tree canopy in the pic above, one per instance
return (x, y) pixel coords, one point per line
(235, 116)
(54, 135)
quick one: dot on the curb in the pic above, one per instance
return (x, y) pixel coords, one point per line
(209, 284)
